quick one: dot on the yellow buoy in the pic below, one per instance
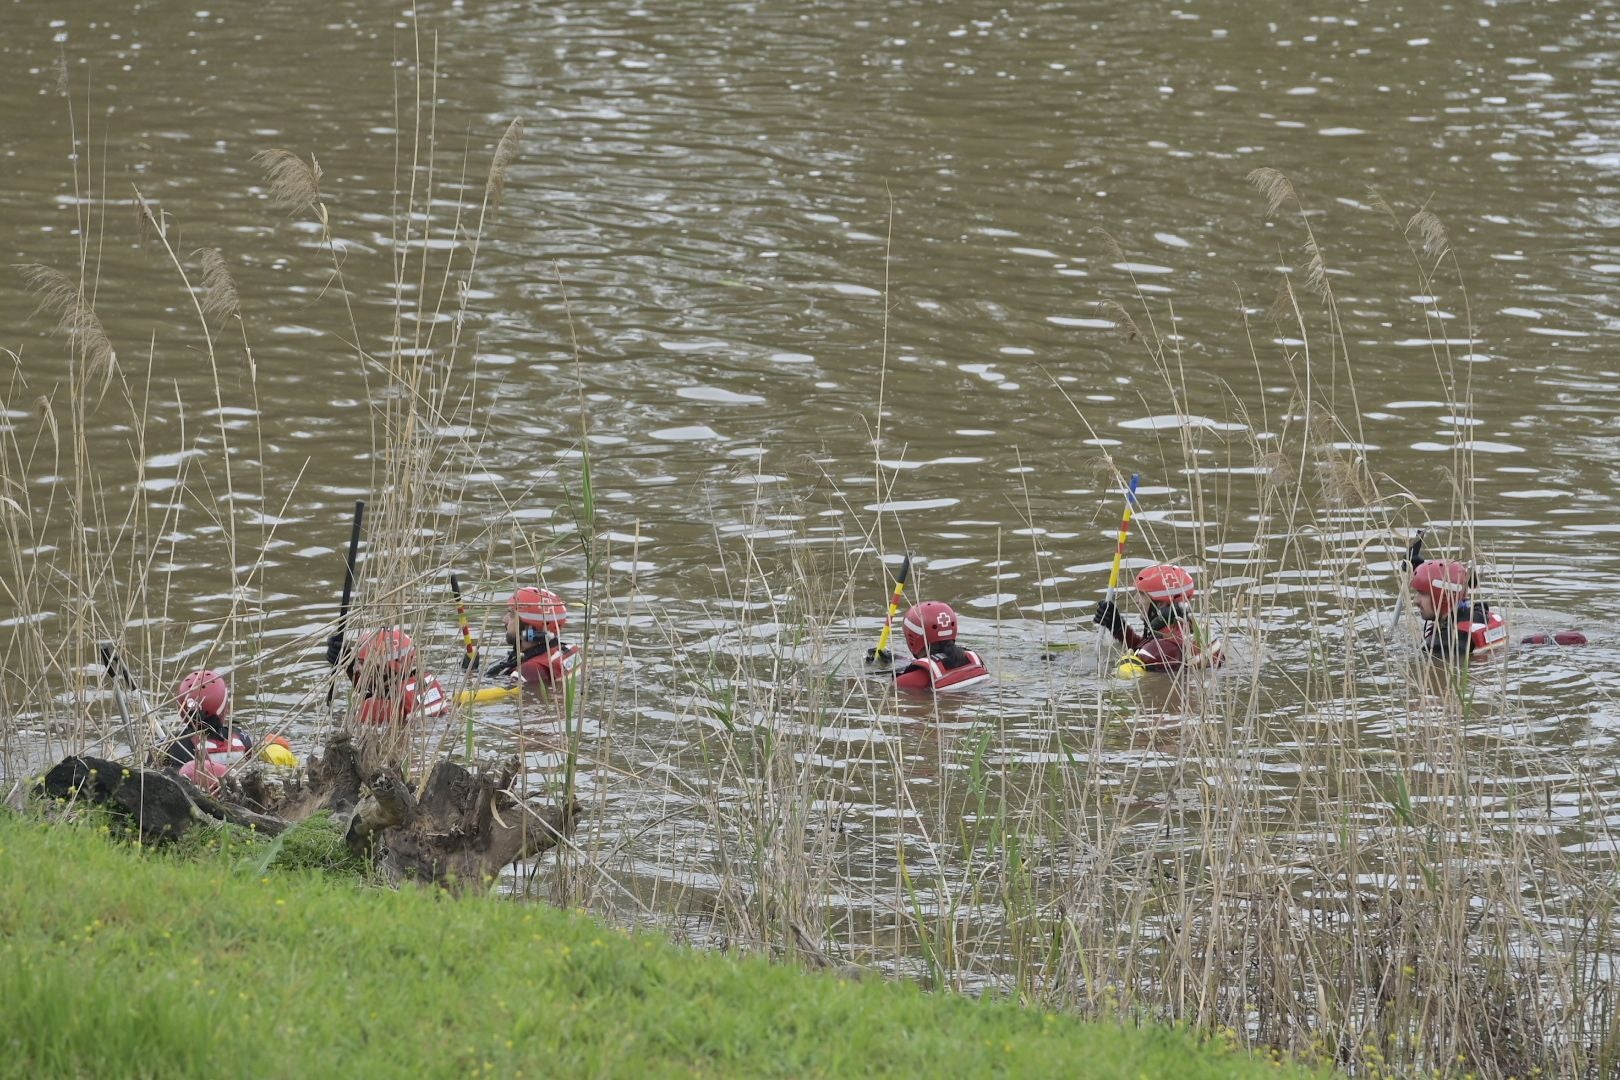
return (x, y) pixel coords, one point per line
(276, 754)
(486, 694)
(1131, 668)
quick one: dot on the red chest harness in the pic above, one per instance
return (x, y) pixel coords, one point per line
(422, 696)
(223, 751)
(941, 677)
(551, 666)
(1484, 634)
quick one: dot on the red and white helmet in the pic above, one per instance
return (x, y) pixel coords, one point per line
(1443, 581)
(204, 696)
(1165, 583)
(391, 648)
(539, 608)
(929, 623)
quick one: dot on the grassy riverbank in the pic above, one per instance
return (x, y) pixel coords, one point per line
(117, 962)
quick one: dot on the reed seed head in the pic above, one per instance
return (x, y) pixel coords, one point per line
(506, 152)
(220, 300)
(1275, 188)
(1124, 325)
(61, 296)
(295, 185)
(42, 405)
(1431, 233)
(1114, 250)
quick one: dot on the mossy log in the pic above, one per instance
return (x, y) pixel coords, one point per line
(460, 831)
(160, 803)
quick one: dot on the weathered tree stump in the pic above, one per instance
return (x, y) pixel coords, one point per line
(331, 781)
(460, 833)
(388, 803)
(465, 828)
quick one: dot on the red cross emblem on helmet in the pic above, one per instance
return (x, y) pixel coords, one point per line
(390, 648)
(539, 607)
(1165, 583)
(928, 624)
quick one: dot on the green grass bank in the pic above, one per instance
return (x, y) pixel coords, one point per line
(119, 962)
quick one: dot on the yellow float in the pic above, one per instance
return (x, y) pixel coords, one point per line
(275, 751)
(486, 694)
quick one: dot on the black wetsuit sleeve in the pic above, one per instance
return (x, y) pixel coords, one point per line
(504, 667)
(1447, 641)
(178, 751)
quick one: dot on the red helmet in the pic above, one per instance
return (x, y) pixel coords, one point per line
(1165, 583)
(204, 696)
(539, 607)
(391, 648)
(927, 624)
(1443, 581)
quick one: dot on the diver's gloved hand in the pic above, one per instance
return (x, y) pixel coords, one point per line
(334, 649)
(504, 667)
(1108, 617)
(1414, 553)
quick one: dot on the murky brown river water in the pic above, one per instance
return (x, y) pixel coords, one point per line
(712, 187)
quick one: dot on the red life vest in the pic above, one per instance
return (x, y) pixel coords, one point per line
(219, 749)
(551, 666)
(1477, 629)
(928, 673)
(1484, 634)
(222, 748)
(418, 697)
(1170, 648)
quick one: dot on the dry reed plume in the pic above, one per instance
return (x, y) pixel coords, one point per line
(64, 298)
(295, 185)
